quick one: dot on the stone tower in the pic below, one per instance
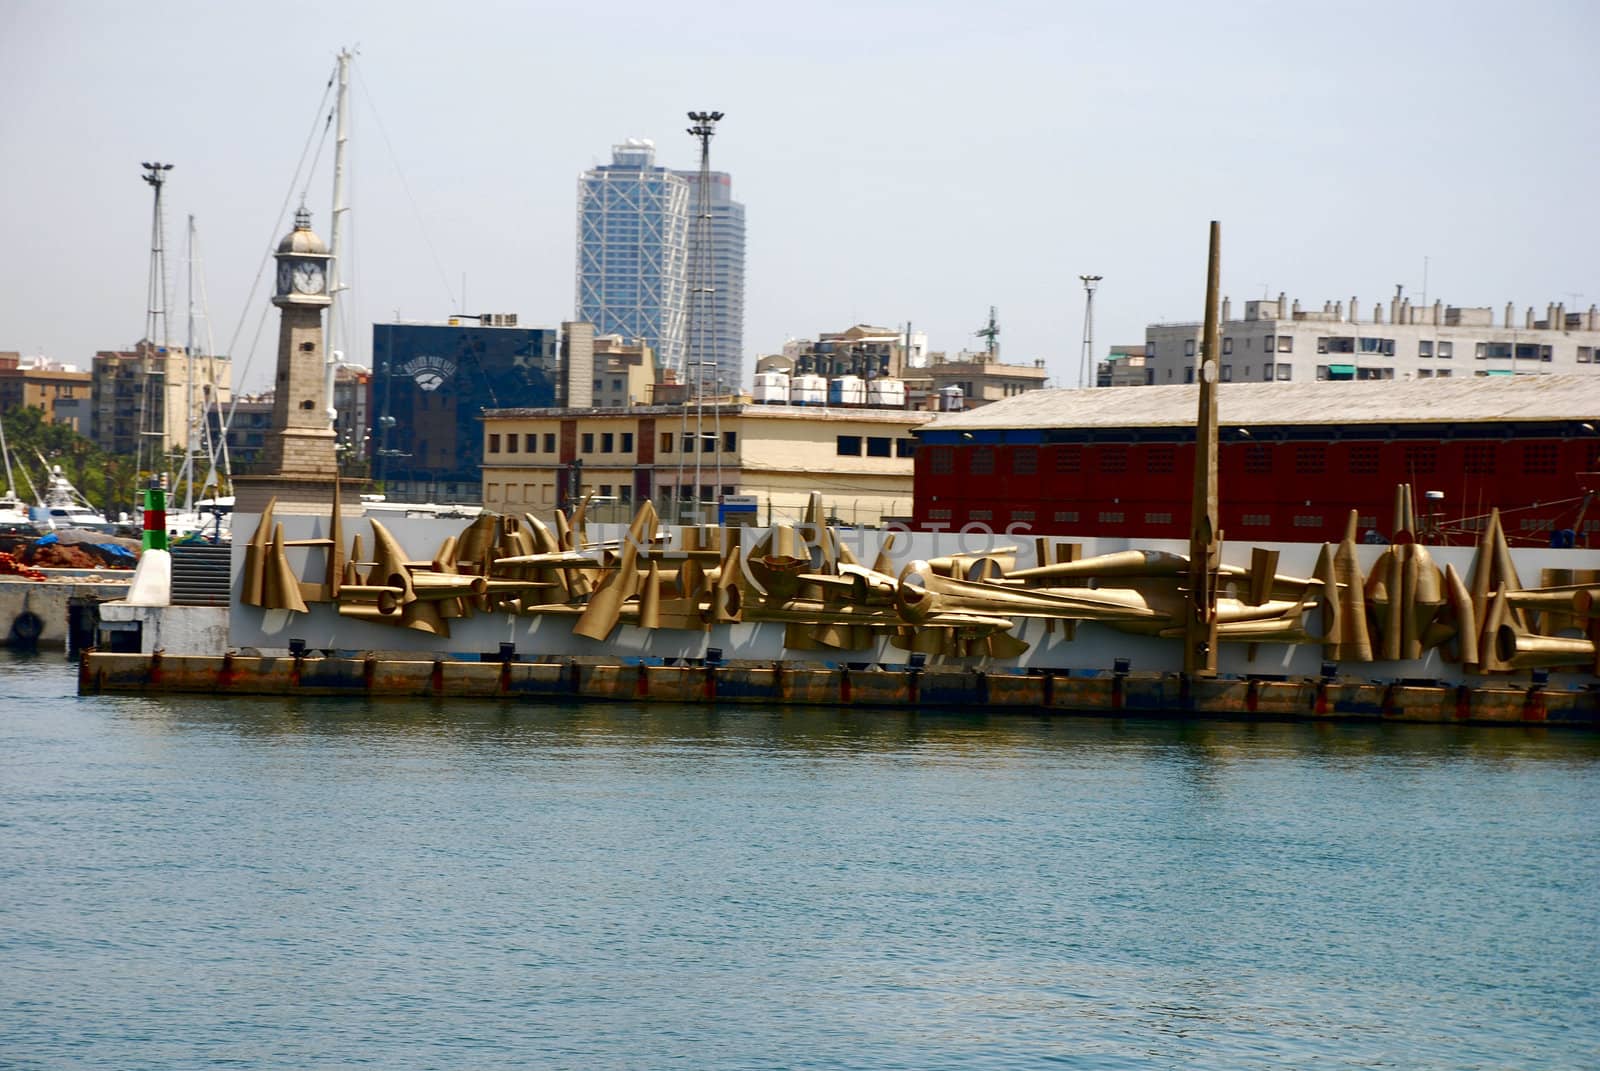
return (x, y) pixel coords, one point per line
(299, 466)
(302, 434)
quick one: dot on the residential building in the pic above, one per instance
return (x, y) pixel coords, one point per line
(1294, 460)
(249, 424)
(140, 396)
(60, 391)
(1125, 367)
(623, 373)
(1280, 342)
(860, 459)
(981, 379)
(721, 339)
(633, 251)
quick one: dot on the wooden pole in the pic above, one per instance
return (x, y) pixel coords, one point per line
(1205, 538)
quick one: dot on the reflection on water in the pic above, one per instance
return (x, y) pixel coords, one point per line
(319, 882)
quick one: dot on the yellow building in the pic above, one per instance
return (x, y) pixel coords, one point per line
(537, 460)
(61, 392)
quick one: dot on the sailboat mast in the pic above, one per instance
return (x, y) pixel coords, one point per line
(11, 488)
(188, 384)
(335, 239)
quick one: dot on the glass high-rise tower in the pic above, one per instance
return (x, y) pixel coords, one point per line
(723, 303)
(633, 251)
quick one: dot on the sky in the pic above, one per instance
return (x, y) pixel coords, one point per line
(899, 162)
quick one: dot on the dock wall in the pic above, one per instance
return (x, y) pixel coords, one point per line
(785, 684)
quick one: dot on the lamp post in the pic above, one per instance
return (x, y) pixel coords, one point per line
(1086, 361)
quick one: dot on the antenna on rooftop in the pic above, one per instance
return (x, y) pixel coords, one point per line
(991, 334)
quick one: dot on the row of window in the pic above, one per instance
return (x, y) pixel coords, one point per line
(1385, 347)
(875, 446)
(609, 442)
(1417, 459)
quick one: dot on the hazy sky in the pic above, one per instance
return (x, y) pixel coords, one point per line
(898, 161)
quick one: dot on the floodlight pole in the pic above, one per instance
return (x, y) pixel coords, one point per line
(702, 299)
(1086, 362)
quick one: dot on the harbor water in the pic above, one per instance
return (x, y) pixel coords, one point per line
(196, 882)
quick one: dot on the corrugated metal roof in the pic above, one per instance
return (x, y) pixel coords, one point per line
(1472, 398)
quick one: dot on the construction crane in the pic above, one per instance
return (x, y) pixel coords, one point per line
(991, 334)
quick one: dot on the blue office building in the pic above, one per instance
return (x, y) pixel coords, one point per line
(429, 384)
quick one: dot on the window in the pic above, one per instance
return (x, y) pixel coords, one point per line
(1024, 461)
(1227, 346)
(1227, 373)
(1585, 354)
(1338, 345)
(1383, 346)
(616, 385)
(1539, 459)
(494, 444)
(1493, 350)
(588, 442)
(1158, 518)
(1286, 372)
(1158, 460)
(1480, 459)
(1266, 372)
(1069, 458)
(1270, 344)
(938, 515)
(605, 490)
(627, 442)
(597, 385)
(1257, 460)
(1443, 373)
(1445, 350)
(1527, 351)
(1256, 520)
(608, 442)
(981, 462)
(1310, 461)
(1421, 459)
(624, 494)
(1188, 347)
(550, 442)
(688, 444)
(708, 442)
(1024, 516)
(905, 447)
(1426, 373)
(730, 442)
(530, 443)
(1066, 516)
(1546, 354)
(980, 515)
(666, 442)
(1285, 343)
(511, 444)
(1364, 459)
(941, 461)
(1111, 518)
(1113, 459)
(879, 447)
(849, 446)
(1307, 520)
(1188, 374)
(1425, 348)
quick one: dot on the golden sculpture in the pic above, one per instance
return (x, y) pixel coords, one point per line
(961, 605)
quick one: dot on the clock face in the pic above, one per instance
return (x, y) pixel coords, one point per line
(308, 278)
(285, 275)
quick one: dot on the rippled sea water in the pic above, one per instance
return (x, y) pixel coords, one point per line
(215, 883)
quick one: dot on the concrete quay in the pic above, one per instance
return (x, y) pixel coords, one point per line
(47, 613)
(1160, 695)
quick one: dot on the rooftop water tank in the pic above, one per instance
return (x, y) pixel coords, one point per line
(808, 390)
(888, 393)
(771, 388)
(847, 390)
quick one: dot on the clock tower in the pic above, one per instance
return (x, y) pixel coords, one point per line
(299, 465)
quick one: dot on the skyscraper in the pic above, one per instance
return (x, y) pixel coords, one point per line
(633, 251)
(724, 303)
